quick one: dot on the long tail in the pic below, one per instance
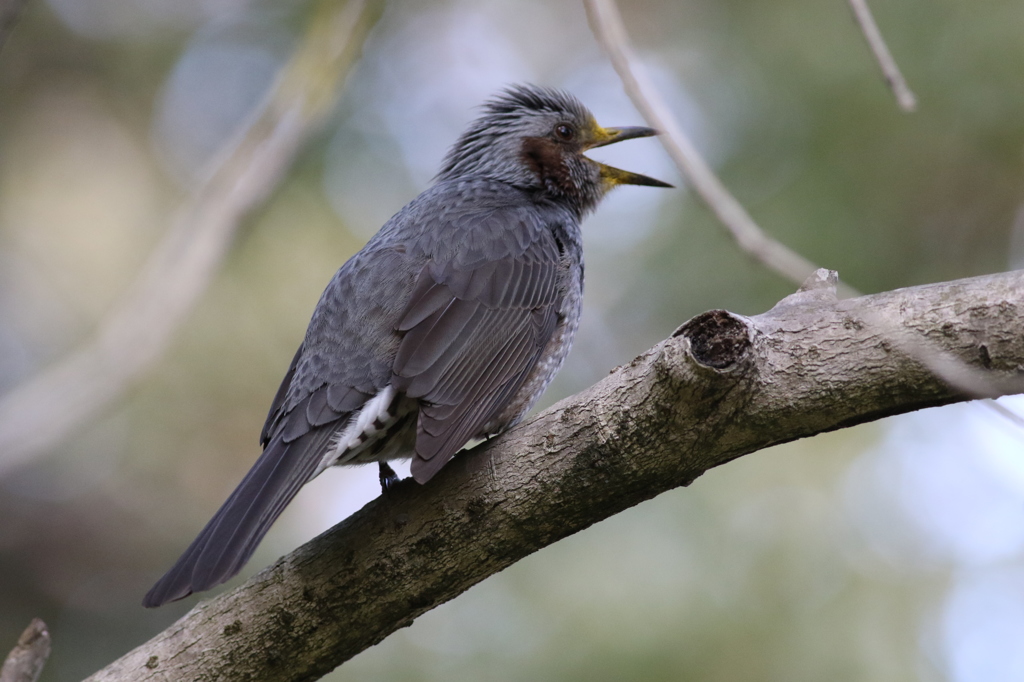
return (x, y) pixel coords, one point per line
(232, 535)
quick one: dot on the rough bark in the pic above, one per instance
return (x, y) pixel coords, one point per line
(721, 387)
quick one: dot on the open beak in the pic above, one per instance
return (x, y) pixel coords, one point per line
(615, 176)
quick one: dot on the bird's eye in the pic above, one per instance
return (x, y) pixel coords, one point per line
(565, 132)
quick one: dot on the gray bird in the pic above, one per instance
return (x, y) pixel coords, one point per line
(444, 328)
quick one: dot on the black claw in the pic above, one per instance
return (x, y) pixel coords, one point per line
(388, 477)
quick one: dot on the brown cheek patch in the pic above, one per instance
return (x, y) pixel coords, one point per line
(545, 158)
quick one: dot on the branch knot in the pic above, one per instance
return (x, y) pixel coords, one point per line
(718, 339)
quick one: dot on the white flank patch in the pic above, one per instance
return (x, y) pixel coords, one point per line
(352, 436)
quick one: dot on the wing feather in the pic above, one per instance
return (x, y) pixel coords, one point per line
(318, 408)
(443, 437)
(473, 334)
(282, 392)
(345, 399)
(427, 298)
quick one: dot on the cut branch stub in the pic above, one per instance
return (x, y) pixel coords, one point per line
(718, 339)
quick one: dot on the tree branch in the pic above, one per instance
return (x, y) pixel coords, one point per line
(27, 658)
(721, 387)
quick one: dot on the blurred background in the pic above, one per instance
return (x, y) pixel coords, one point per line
(890, 551)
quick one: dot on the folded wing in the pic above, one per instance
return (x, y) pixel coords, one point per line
(472, 336)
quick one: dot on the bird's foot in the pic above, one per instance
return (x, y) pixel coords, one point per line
(388, 478)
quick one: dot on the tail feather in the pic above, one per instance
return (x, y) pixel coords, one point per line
(232, 535)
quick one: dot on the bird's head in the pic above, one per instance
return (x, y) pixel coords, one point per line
(534, 138)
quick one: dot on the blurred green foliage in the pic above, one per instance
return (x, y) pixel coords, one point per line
(757, 571)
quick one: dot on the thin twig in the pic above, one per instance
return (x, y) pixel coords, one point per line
(969, 380)
(10, 10)
(1004, 411)
(27, 658)
(41, 412)
(606, 23)
(897, 83)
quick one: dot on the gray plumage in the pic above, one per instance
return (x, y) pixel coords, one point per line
(446, 327)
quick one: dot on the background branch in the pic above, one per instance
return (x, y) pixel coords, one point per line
(897, 83)
(610, 32)
(606, 23)
(48, 407)
(721, 387)
(27, 658)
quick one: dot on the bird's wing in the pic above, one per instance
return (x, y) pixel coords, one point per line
(474, 328)
(316, 399)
